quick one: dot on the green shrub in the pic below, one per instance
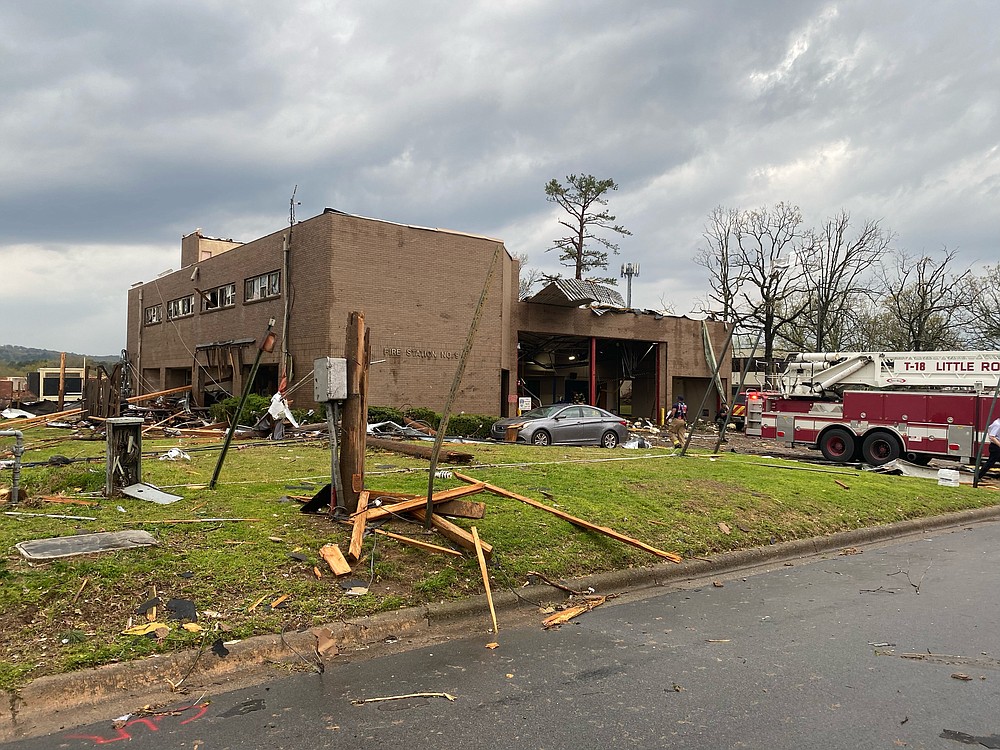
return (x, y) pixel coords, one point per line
(471, 425)
(378, 414)
(255, 407)
(421, 414)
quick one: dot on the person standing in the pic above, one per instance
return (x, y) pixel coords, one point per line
(993, 436)
(678, 422)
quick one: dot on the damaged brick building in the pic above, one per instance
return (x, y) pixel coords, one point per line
(418, 288)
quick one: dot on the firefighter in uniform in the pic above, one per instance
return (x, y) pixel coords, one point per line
(678, 422)
(993, 435)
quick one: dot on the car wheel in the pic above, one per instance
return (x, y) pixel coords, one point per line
(837, 445)
(609, 439)
(541, 438)
(880, 447)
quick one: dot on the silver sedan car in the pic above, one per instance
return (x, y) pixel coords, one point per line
(565, 424)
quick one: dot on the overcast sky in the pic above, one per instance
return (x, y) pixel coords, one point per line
(127, 123)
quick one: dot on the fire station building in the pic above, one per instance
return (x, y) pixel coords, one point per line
(418, 289)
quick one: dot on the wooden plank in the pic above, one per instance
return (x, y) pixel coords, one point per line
(437, 497)
(163, 421)
(486, 576)
(461, 509)
(358, 529)
(157, 394)
(335, 559)
(672, 556)
(33, 421)
(453, 532)
(419, 543)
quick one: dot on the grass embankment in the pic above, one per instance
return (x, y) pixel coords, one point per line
(68, 614)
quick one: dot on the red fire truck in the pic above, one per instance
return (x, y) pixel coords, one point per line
(916, 405)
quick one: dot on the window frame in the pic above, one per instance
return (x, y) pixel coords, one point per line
(223, 295)
(152, 315)
(262, 286)
(175, 307)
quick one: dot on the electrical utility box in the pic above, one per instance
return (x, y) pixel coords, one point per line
(124, 456)
(329, 379)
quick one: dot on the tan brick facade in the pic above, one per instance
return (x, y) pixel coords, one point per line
(418, 289)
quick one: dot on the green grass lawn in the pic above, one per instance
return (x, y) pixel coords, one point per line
(69, 613)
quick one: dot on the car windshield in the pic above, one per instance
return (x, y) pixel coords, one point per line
(543, 411)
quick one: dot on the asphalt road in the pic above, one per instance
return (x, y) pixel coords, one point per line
(849, 651)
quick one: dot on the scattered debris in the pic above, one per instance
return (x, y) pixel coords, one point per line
(992, 741)
(560, 618)
(636, 442)
(182, 609)
(83, 544)
(960, 676)
(556, 584)
(850, 551)
(219, 648)
(841, 484)
(175, 454)
(493, 646)
(335, 559)
(79, 591)
(419, 543)
(64, 500)
(724, 528)
(48, 515)
(325, 644)
(486, 577)
(362, 701)
(157, 629)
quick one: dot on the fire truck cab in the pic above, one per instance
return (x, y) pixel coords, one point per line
(915, 405)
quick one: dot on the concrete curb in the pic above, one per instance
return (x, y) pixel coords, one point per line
(125, 684)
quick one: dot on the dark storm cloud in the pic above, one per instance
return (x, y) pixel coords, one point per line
(128, 123)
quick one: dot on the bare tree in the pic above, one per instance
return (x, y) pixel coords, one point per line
(925, 302)
(770, 243)
(838, 272)
(583, 199)
(527, 277)
(983, 323)
(718, 257)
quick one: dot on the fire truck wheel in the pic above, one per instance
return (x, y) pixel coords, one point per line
(880, 447)
(837, 445)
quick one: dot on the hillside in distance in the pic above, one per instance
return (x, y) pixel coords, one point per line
(18, 360)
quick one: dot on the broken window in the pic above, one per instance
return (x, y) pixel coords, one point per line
(180, 308)
(152, 315)
(263, 286)
(222, 296)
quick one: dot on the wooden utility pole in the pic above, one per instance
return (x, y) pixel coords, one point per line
(355, 413)
(62, 381)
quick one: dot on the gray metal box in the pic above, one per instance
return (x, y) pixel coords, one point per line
(329, 379)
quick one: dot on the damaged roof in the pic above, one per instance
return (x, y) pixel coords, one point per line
(576, 293)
